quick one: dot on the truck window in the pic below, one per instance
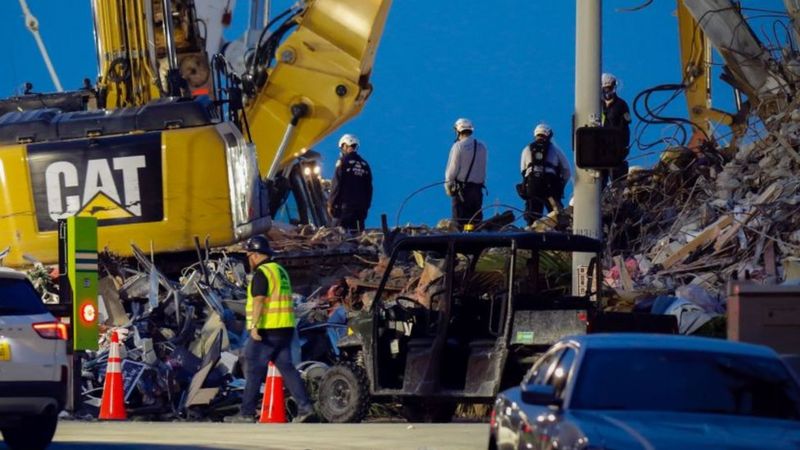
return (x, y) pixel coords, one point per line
(687, 381)
(18, 298)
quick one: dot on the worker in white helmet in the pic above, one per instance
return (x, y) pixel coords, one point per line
(616, 114)
(545, 172)
(465, 175)
(351, 187)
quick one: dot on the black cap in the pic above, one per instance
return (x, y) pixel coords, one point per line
(258, 244)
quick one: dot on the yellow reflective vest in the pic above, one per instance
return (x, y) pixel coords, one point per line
(278, 310)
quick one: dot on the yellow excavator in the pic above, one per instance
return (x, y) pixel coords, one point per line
(172, 143)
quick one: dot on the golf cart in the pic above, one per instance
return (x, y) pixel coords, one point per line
(483, 307)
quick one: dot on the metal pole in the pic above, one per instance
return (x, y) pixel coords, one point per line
(287, 136)
(299, 111)
(586, 206)
(259, 15)
(98, 43)
(259, 18)
(33, 26)
(172, 56)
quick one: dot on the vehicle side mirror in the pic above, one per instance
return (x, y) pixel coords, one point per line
(538, 394)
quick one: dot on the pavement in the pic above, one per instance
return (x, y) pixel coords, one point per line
(201, 436)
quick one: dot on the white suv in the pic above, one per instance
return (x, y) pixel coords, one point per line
(33, 365)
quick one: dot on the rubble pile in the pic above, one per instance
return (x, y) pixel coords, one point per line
(703, 216)
(181, 339)
(183, 333)
(359, 259)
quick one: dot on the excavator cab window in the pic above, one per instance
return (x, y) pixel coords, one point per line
(289, 211)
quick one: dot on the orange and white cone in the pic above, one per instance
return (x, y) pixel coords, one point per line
(113, 405)
(273, 406)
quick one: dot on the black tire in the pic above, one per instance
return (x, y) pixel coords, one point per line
(344, 394)
(428, 411)
(32, 433)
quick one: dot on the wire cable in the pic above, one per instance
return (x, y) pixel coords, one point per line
(409, 196)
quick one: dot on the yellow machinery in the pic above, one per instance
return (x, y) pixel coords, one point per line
(696, 65)
(749, 66)
(160, 162)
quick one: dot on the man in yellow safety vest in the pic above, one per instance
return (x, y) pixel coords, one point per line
(270, 324)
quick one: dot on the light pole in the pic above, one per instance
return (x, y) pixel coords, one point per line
(586, 205)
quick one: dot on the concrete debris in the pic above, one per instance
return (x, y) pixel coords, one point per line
(705, 215)
(181, 323)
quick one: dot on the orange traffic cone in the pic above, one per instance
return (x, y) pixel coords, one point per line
(273, 406)
(113, 405)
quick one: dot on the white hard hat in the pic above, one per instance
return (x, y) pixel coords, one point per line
(608, 80)
(543, 129)
(348, 140)
(463, 124)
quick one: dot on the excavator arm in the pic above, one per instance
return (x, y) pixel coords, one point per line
(696, 72)
(319, 79)
(749, 66)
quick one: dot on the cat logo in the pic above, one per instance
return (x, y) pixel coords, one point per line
(115, 179)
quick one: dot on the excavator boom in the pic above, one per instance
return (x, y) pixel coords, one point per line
(749, 65)
(696, 65)
(325, 65)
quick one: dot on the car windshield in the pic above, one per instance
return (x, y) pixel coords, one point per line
(686, 381)
(17, 297)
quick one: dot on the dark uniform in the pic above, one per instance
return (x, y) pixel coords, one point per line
(351, 191)
(545, 171)
(617, 115)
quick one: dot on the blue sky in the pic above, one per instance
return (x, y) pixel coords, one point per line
(505, 64)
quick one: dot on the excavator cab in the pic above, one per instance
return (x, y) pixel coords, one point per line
(480, 309)
(300, 196)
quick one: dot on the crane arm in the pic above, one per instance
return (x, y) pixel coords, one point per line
(320, 78)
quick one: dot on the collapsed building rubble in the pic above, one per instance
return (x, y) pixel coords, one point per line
(702, 216)
(675, 234)
(182, 332)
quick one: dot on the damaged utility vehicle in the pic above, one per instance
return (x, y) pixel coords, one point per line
(483, 307)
